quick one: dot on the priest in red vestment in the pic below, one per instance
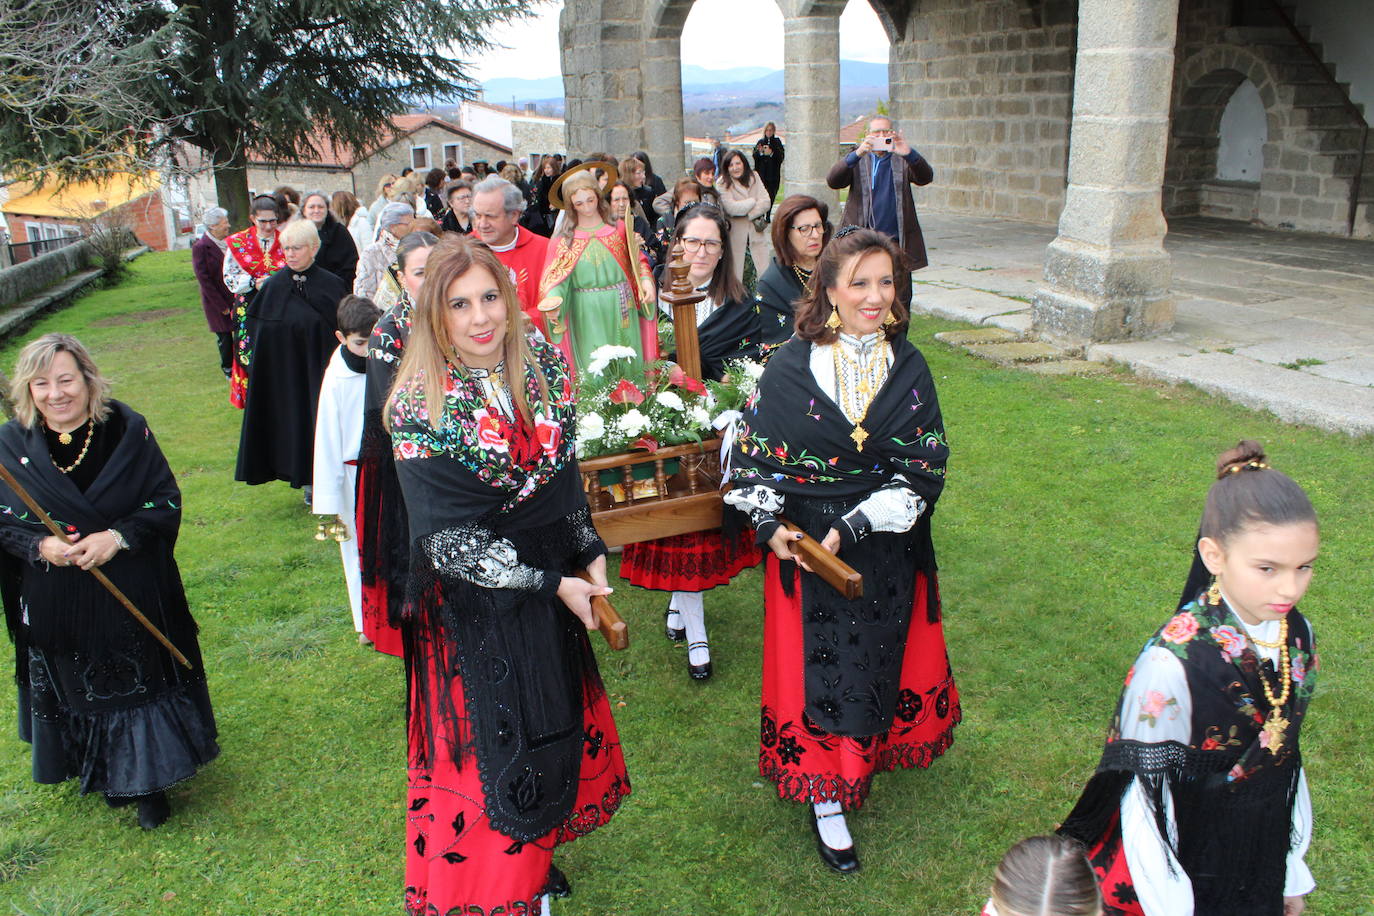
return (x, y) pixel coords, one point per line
(496, 208)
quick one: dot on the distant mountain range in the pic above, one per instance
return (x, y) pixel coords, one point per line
(700, 86)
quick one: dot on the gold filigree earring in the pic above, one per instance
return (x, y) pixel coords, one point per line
(1213, 594)
(890, 320)
(833, 322)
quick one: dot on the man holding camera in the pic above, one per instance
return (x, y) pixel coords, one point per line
(879, 174)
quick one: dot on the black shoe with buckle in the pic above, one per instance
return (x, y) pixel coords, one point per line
(844, 861)
(676, 634)
(558, 885)
(698, 672)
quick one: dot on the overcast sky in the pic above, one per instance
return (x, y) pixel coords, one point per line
(753, 38)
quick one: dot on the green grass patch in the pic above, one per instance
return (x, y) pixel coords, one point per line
(1063, 540)
(1303, 363)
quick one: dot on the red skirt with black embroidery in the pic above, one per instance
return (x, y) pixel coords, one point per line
(376, 596)
(692, 562)
(1108, 859)
(456, 862)
(810, 764)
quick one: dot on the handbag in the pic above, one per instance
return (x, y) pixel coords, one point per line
(760, 223)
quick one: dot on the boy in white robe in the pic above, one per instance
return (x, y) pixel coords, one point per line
(339, 432)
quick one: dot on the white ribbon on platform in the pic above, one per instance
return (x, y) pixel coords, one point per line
(725, 425)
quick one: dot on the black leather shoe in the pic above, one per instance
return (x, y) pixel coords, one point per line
(153, 810)
(844, 861)
(558, 885)
(676, 635)
(698, 672)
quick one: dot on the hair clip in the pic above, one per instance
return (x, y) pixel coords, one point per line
(846, 230)
(1247, 466)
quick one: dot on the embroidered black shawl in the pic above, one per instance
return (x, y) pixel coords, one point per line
(1233, 796)
(795, 439)
(731, 331)
(521, 660)
(779, 288)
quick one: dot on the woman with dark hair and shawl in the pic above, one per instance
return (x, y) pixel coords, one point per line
(512, 746)
(844, 437)
(800, 231)
(100, 699)
(383, 530)
(690, 564)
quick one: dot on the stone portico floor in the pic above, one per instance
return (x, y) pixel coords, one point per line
(1278, 321)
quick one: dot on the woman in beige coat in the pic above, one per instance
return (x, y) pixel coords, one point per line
(743, 198)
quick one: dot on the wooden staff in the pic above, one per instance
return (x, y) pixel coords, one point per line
(838, 574)
(94, 570)
(610, 623)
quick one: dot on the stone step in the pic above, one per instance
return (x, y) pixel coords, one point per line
(1264, 35)
(975, 336)
(1331, 139)
(1318, 93)
(1322, 116)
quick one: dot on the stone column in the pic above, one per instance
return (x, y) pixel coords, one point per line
(1107, 275)
(811, 50)
(662, 81)
(601, 53)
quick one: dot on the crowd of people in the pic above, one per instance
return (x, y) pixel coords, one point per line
(413, 366)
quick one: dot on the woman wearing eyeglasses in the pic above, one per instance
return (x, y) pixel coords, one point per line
(801, 230)
(252, 256)
(727, 327)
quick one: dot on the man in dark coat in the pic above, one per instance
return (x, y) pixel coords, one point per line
(880, 173)
(207, 260)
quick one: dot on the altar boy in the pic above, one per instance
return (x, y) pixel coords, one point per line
(339, 431)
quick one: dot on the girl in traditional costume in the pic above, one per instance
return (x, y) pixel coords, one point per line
(512, 747)
(253, 255)
(1044, 876)
(688, 565)
(383, 530)
(100, 699)
(596, 290)
(844, 436)
(1200, 803)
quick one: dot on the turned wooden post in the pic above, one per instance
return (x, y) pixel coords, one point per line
(683, 298)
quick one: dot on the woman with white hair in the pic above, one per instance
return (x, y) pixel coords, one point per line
(289, 339)
(100, 700)
(377, 278)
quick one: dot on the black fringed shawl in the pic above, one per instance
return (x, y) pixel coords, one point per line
(1233, 797)
(134, 493)
(383, 528)
(521, 660)
(795, 439)
(778, 290)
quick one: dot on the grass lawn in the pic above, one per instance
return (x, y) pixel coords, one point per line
(1063, 538)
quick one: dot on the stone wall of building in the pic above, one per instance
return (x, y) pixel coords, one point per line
(984, 89)
(530, 138)
(397, 156)
(263, 178)
(1311, 151)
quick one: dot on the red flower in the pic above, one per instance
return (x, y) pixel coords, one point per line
(682, 380)
(1210, 744)
(548, 433)
(649, 445)
(627, 393)
(489, 432)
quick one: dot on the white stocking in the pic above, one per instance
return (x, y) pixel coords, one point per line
(830, 823)
(692, 607)
(674, 621)
(545, 904)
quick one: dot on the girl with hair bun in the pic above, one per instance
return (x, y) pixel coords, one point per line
(1200, 803)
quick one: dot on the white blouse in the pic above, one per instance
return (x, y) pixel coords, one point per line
(1157, 706)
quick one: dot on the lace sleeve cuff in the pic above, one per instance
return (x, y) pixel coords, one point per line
(894, 508)
(762, 504)
(587, 544)
(477, 555)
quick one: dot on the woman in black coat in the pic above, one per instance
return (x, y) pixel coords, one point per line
(800, 233)
(338, 252)
(768, 154)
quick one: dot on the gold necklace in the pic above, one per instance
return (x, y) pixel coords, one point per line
(90, 432)
(869, 376)
(1275, 725)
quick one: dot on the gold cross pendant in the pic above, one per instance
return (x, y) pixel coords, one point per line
(859, 435)
(1274, 727)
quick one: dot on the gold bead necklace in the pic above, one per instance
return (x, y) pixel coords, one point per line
(1275, 725)
(856, 396)
(90, 432)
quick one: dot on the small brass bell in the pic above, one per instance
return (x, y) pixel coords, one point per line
(339, 532)
(321, 531)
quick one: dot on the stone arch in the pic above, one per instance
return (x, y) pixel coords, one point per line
(1205, 83)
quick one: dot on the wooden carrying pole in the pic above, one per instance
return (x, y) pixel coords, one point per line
(838, 574)
(683, 298)
(94, 570)
(610, 624)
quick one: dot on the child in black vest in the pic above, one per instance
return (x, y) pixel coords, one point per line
(1199, 804)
